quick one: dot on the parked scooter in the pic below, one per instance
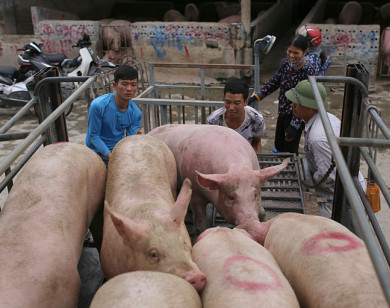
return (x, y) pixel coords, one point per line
(20, 81)
(86, 64)
(17, 85)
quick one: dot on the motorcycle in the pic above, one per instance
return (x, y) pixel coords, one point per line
(17, 85)
(32, 60)
(86, 64)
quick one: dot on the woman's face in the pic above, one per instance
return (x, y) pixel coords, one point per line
(295, 54)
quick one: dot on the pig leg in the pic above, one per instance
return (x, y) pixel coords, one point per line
(198, 207)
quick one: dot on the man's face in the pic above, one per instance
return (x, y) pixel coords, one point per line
(126, 89)
(234, 104)
(302, 112)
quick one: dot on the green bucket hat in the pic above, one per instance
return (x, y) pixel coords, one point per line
(303, 95)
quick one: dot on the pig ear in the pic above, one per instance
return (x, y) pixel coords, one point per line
(210, 181)
(129, 231)
(179, 210)
(270, 172)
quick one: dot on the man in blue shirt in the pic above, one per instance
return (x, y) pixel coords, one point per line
(113, 116)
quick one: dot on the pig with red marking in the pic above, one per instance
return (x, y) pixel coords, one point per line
(223, 169)
(143, 225)
(326, 264)
(43, 225)
(240, 272)
(146, 289)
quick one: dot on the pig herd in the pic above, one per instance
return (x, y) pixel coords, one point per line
(291, 260)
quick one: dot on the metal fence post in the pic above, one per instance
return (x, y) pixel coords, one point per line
(49, 99)
(351, 126)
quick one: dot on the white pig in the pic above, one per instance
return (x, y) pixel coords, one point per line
(43, 226)
(327, 265)
(223, 169)
(240, 272)
(143, 226)
(146, 289)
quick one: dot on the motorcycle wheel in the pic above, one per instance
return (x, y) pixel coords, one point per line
(93, 92)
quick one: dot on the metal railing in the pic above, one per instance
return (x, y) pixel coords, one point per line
(376, 244)
(166, 104)
(41, 134)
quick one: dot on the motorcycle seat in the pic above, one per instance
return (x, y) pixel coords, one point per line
(55, 59)
(7, 70)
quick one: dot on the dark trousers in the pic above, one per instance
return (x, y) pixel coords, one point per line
(281, 144)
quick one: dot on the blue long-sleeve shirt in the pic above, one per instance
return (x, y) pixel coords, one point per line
(314, 61)
(286, 78)
(107, 125)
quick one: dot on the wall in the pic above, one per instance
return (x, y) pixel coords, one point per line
(346, 44)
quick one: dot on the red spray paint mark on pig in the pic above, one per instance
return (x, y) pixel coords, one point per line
(273, 283)
(317, 243)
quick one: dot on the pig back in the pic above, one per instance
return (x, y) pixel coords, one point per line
(146, 289)
(43, 225)
(206, 148)
(327, 265)
(240, 272)
(138, 163)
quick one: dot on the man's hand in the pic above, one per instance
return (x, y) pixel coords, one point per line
(290, 133)
(253, 99)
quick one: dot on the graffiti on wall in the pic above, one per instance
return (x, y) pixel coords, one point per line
(354, 44)
(162, 36)
(59, 37)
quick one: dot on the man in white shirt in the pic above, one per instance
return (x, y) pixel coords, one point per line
(237, 115)
(317, 150)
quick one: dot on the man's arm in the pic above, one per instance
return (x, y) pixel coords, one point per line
(256, 144)
(94, 128)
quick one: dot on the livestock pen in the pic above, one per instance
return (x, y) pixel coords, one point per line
(158, 103)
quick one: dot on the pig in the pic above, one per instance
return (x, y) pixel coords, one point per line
(384, 14)
(123, 28)
(231, 19)
(222, 167)
(326, 264)
(225, 9)
(191, 12)
(111, 37)
(174, 15)
(43, 225)
(385, 48)
(146, 289)
(350, 14)
(143, 225)
(240, 272)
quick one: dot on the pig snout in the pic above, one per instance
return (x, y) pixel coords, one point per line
(196, 279)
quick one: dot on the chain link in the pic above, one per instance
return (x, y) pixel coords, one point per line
(326, 175)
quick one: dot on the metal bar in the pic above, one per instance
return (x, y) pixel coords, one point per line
(369, 108)
(203, 65)
(374, 250)
(18, 115)
(373, 220)
(19, 166)
(376, 175)
(177, 102)
(357, 142)
(7, 161)
(13, 136)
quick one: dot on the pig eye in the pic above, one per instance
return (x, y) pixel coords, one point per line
(154, 256)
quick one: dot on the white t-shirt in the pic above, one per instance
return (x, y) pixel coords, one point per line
(253, 125)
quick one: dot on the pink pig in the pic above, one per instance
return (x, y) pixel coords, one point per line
(43, 226)
(223, 169)
(143, 225)
(240, 272)
(326, 264)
